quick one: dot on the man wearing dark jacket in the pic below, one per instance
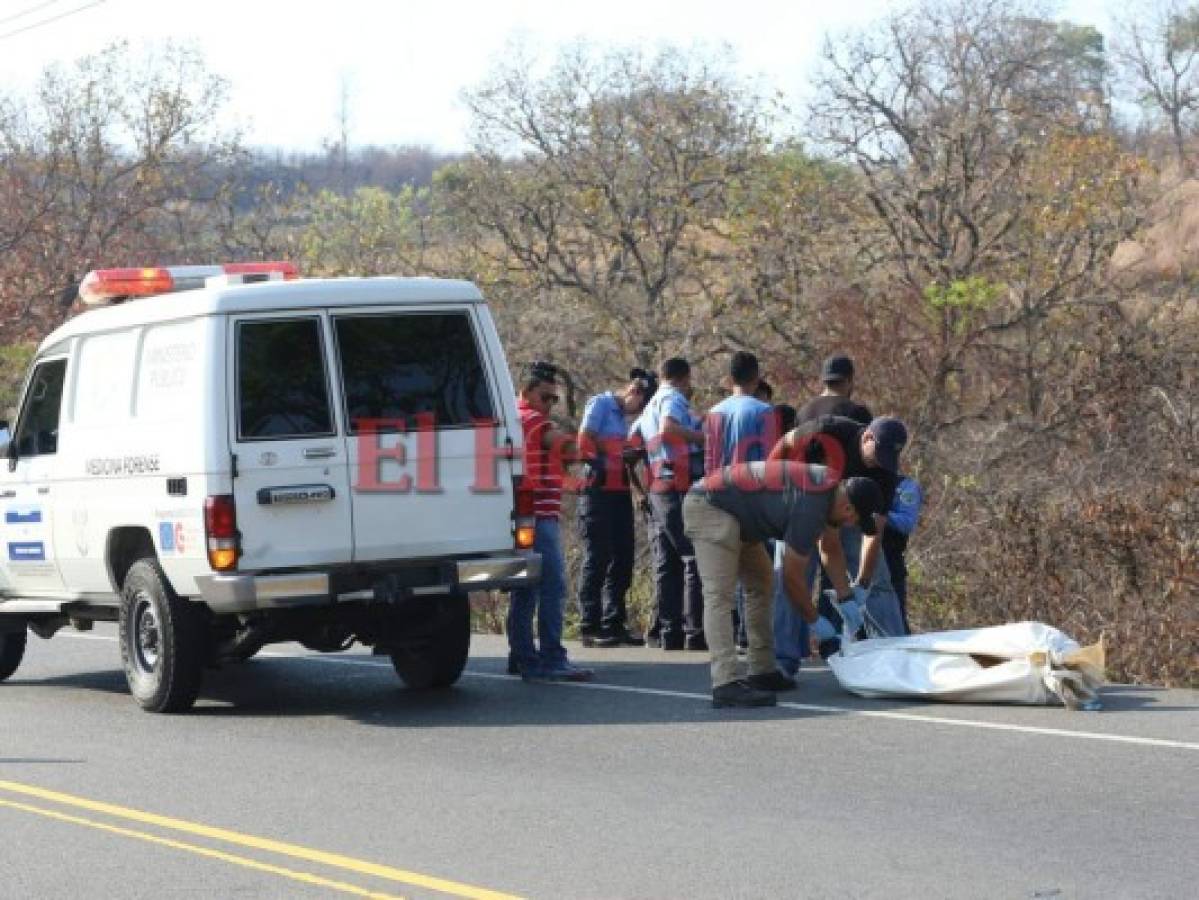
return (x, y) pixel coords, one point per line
(850, 449)
(837, 375)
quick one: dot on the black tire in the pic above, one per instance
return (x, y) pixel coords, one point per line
(436, 659)
(163, 640)
(12, 651)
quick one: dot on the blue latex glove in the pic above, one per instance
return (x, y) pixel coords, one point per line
(860, 594)
(823, 629)
(851, 615)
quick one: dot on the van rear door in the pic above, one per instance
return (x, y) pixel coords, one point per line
(424, 417)
(292, 485)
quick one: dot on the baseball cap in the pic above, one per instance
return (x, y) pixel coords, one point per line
(866, 498)
(837, 367)
(890, 436)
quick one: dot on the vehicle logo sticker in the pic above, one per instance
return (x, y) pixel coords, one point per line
(26, 551)
(171, 537)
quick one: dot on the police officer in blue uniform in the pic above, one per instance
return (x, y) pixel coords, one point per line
(674, 441)
(605, 513)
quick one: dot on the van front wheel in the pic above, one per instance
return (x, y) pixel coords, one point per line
(163, 638)
(12, 651)
(436, 659)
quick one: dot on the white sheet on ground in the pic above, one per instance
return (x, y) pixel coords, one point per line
(1023, 662)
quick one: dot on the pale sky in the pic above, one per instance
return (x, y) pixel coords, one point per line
(405, 63)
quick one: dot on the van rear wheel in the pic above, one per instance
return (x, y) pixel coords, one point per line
(163, 638)
(436, 659)
(12, 651)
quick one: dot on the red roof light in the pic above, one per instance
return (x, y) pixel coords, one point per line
(105, 285)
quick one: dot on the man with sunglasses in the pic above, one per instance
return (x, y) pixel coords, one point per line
(545, 450)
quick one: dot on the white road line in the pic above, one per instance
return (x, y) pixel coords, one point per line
(802, 707)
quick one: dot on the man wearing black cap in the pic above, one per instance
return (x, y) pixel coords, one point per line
(729, 515)
(851, 450)
(837, 375)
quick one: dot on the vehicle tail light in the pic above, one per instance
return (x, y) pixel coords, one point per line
(220, 530)
(524, 522)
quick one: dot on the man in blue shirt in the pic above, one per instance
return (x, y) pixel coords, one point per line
(672, 436)
(605, 511)
(739, 428)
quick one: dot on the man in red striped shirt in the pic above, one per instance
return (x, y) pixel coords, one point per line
(546, 450)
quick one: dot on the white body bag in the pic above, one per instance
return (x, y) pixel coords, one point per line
(1023, 662)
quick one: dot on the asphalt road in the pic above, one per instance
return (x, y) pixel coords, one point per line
(300, 775)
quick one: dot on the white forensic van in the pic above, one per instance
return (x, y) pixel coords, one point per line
(224, 457)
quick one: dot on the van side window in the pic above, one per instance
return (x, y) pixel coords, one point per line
(37, 434)
(399, 367)
(282, 389)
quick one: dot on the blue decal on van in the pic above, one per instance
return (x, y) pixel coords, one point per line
(166, 536)
(26, 551)
(28, 516)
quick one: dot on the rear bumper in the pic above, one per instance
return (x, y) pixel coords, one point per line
(498, 572)
(248, 592)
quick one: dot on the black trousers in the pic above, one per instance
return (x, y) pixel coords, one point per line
(678, 593)
(606, 531)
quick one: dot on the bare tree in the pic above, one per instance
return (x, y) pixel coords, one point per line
(101, 167)
(599, 184)
(1157, 52)
(962, 128)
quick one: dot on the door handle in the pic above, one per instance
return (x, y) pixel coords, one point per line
(320, 452)
(43, 490)
(6, 495)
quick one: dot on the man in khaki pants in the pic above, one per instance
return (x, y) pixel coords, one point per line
(729, 515)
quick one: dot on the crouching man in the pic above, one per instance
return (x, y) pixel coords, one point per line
(729, 515)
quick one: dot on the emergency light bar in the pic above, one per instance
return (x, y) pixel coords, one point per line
(102, 286)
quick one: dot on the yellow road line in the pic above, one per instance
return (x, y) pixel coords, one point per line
(334, 860)
(305, 877)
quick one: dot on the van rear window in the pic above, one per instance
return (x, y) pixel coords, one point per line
(281, 385)
(420, 369)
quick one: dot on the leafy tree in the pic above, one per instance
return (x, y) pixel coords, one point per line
(14, 360)
(370, 232)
